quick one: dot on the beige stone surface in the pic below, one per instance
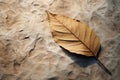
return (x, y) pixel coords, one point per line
(28, 51)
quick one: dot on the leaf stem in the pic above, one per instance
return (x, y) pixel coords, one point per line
(102, 66)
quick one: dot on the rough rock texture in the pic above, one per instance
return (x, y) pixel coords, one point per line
(28, 52)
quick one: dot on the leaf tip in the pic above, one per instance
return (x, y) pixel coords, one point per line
(50, 14)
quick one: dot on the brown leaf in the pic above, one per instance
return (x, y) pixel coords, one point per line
(74, 35)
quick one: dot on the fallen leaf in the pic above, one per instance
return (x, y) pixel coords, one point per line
(74, 35)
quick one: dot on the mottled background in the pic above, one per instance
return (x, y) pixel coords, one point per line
(28, 52)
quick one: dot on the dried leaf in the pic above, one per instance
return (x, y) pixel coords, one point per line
(74, 35)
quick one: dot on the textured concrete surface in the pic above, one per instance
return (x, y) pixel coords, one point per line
(28, 52)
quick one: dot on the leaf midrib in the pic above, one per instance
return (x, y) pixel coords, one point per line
(76, 37)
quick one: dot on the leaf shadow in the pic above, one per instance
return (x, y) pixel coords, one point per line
(81, 60)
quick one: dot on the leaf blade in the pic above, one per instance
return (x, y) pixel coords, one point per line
(89, 43)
